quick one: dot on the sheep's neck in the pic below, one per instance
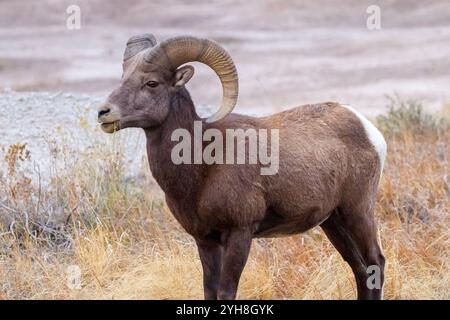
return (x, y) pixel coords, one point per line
(181, 181)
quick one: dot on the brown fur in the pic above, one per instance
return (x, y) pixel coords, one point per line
(328, 176)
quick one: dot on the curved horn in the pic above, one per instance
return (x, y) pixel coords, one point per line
(173, 52)
(138, 43)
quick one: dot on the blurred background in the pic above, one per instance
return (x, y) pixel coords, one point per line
(287, 52)
(72, 196)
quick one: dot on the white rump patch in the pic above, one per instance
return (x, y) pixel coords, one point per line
(374, 135)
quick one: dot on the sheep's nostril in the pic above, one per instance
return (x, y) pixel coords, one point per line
(102, 112)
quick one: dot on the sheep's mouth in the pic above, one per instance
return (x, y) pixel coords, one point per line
(111, 127)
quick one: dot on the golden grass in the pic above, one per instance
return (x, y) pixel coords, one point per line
(127, 245)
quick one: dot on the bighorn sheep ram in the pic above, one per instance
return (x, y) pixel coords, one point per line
(330, 163)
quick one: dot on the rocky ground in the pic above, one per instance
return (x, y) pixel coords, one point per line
(46, 122)
(55, 126)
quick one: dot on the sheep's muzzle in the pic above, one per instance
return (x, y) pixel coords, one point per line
(111, 127)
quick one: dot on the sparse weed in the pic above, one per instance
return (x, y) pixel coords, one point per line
(409, 117)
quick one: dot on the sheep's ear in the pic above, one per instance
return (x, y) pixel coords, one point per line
(183, 75)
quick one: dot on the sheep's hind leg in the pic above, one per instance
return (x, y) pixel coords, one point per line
(353, 234)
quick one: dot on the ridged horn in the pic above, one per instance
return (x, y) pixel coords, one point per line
(174, 52)
(138, 43)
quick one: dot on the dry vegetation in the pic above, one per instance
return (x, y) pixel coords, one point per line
(127, 245)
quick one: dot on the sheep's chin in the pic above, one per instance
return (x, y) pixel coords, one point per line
(110, 127)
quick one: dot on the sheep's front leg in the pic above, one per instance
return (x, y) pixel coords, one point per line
(210, 253)
(237, 243)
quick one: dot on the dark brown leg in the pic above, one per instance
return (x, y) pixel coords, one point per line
(210, 253)
(354, 236)
(237, 244)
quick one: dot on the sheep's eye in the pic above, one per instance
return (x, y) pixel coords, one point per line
(152, 84)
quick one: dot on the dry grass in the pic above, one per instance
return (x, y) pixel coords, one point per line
(127, 245)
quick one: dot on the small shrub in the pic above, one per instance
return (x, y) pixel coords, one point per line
(408, 117)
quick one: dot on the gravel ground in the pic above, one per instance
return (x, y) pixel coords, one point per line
(45, 120)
